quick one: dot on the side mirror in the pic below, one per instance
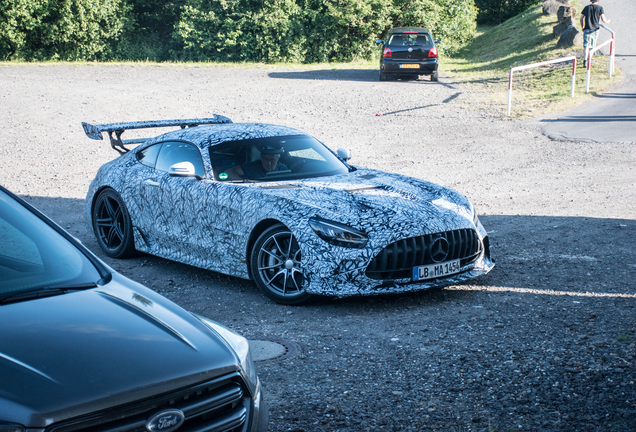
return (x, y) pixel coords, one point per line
(344, 154)
(379, 42)
(438, 41)
(183, 169)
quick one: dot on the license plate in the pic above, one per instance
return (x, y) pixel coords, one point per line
(433, 271)
(409, 66)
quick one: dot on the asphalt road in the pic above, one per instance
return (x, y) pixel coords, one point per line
(609, 116)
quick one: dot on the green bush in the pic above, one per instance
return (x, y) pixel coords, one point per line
(148, 36)
(60, 29)
(239, 30)
(312, 30)
(495, 12)
(451, 21)
(343, 30)
(269, 31)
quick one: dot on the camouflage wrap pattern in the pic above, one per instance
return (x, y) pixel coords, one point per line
(211, 224)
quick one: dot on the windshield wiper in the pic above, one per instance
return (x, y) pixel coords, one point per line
(43, 292)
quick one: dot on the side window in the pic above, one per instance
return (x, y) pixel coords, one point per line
(173, 152)
(148, 156)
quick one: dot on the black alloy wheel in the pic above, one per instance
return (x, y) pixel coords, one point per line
(112, 225)
(275, 266)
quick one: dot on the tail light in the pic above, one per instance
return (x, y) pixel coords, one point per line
(431, 53)
(387, 52)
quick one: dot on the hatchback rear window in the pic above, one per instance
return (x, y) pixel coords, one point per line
(409, 39)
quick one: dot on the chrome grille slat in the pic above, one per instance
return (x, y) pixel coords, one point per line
(230, 396)
(220, 405)
(396, 261)
(224, 424)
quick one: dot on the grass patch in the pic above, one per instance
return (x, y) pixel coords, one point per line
(527, 38)
(625, 338)
(356, 64)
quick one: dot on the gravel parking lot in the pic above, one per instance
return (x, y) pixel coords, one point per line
(545, 342)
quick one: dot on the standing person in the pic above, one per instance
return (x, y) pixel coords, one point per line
(591, 17)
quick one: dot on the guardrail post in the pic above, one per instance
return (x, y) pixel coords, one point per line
(573, 77)
(587, 73)
(612, 49)
(509, 92)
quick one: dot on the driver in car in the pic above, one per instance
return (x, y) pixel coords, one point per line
(268, 163)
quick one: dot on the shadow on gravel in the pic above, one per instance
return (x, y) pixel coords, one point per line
(341, 75)
(564, 257)
(565, 254)
(537, 255)
(587, 119)
(617, 95)
(330, 75)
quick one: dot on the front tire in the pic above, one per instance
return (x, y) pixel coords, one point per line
(275, 266)
(112, 225)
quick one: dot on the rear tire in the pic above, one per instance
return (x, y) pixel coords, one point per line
(275, 266)
(383, 76)
(435, 76)
(112, 225)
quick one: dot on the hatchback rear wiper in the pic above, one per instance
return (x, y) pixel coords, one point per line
(43, 292)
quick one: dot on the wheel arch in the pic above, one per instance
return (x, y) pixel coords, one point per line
(96, 194)
(254, 235)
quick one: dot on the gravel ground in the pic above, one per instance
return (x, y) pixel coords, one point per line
(545, 342)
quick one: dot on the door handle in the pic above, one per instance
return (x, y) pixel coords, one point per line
(151, 183)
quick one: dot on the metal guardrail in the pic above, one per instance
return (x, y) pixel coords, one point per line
(533, 65)
(612, 44)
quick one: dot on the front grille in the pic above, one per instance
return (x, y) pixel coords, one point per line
(396, 261)
(220, 405)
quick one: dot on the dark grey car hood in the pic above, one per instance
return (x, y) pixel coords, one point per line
(88, 350)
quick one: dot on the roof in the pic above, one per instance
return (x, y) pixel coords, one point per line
(207, 136)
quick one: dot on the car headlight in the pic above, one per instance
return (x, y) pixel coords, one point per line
(338, 234)
(475, 216)
(239, 344)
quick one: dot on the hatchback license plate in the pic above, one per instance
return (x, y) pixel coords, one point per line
(433, 271)
(409, 66)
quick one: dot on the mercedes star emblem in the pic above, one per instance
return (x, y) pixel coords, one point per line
(439, 249)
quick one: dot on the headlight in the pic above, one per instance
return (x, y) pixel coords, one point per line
(475, 217)
(239, 344)
(338, 234)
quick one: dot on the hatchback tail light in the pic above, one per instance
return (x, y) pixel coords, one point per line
(387, 52)
(432, 53)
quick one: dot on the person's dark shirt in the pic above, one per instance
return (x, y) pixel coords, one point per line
(592, 15)
(255, 170)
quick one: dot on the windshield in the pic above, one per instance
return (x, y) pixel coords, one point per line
(33, 255)
(274, 159)
(409, 39)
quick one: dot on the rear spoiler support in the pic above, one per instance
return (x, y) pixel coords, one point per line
(95, 131)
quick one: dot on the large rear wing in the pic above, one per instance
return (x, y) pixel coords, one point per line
(95, 131)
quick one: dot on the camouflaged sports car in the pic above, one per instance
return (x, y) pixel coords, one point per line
(273, 204)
